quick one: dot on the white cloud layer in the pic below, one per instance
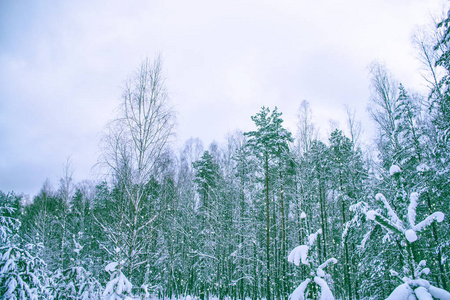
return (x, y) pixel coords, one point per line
(64, 62)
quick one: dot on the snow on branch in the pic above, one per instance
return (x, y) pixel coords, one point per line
(394, 169)
(325, 292)
(392, 214)
(411, 235)
(403, 291)
(420, 288)
(395, 225)
(413, 287)
(421, 269)
(438, 293)
(111, 267)
(119, 287)
(438, 216)
(312, 237)
(422, 293)
(412, 208)
(299, 292)
(386, 223)
(320, 271)
(300, 253)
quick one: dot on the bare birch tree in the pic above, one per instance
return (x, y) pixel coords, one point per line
(382, 108)
(353, 127)
(131, 150)
(306, 130)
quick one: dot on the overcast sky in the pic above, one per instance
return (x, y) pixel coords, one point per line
(63, 65)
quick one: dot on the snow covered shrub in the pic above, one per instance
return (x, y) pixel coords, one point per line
(300, 255)
(118, 286)
(76, 282)
(406, 231)
(21, 275)
(417, 288)
(393, 223)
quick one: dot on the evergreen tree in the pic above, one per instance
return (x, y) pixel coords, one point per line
(269, 143)
(118, 287)
(76, 282)
(347, 178)
(41, 226)
(405, 231)
(307, 256)
(22, 275)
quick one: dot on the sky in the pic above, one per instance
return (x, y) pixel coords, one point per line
(63, 65)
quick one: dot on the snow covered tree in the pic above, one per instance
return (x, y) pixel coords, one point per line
(408, 140)
(75, 282)
(404, 231)
(206, 177)
(302, 255)
(118, 287)
(40, 226)
(82, 225)
(187, 224)
(8, 223)
(247, 245)
(382, 110)
(65, 194)
(347, 179)
(420, 168)
(270, 144)
(163, 272)
(22, 276)
(132, 148)
(441, 105)
(439, 113)
(306, 131)
(408, 130)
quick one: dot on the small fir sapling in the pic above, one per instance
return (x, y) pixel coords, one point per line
(118, 287)
(76, 282)
(300, 255)
(413, 286)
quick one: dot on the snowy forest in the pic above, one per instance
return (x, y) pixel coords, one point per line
(268, 214)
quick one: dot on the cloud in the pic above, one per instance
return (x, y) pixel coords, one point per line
(63, 66)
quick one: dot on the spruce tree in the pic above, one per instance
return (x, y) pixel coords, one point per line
(22, 275)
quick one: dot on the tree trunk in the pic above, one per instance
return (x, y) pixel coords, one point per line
(323, 216)
(283, 244)
(266, 167)
(348, 283)
(439, 252)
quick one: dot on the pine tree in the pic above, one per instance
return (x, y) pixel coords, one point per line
(269, 143)
(347, 177)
